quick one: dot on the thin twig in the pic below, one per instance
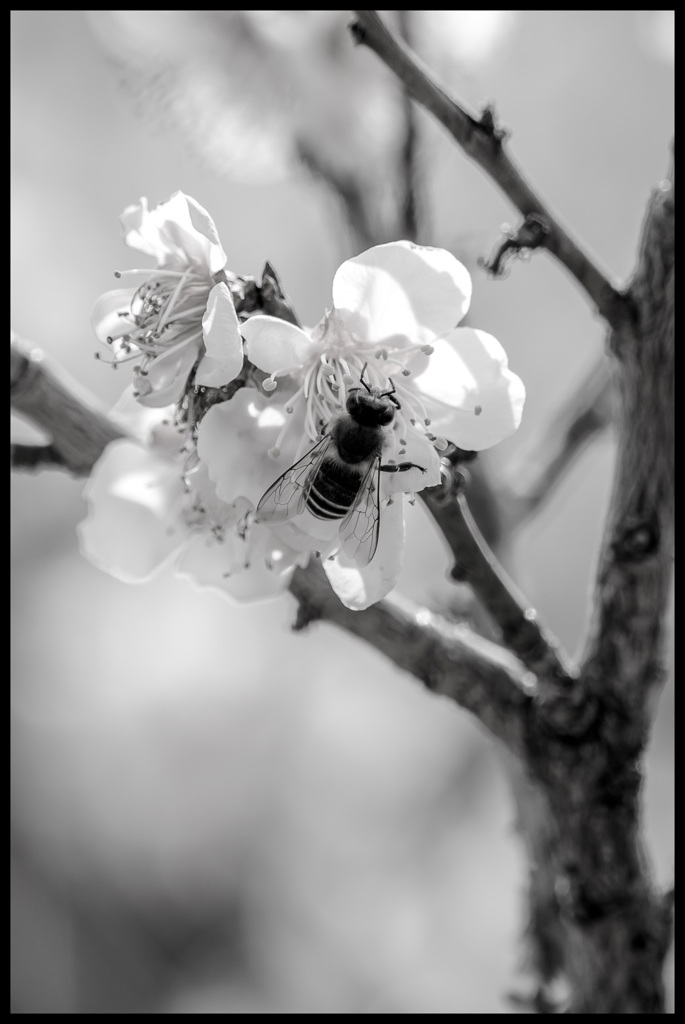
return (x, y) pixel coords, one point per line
(588, 411)
(408, 163)
(475, 564)
(348, 192)
(484, 142)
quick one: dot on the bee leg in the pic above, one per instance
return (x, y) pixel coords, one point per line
(401, 467)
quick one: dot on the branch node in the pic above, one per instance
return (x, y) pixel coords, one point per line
(568, 716)
(459, 573)
(532, 234)
(307, 612)
(489, 124)
(637, 541)
(357, 32)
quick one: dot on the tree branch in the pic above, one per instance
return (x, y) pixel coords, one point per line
(449, 659)
(564, 706)
(483, 142)
(636, 564)
(79, 431)
(35, 456)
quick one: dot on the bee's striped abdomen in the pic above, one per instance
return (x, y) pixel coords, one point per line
(332, 492)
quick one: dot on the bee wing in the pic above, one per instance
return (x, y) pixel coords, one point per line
(287, 496)
(359, 529)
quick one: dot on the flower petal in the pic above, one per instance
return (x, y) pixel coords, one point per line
(307, 533)
(402, 289)
(479, 400)
(190, 227)
(132, 528)
(238, 568)
(233, 440)
(273, 344)
(149, 426)
(223, 360)
(167, 375)
(178, 231)
(359, 588)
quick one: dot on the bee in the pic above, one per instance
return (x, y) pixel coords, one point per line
(339, 478)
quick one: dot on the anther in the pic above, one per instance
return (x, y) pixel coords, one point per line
(427, 422)
(269, 384)
(406, 372)
(427, 350)
(274, 453)
(441, 443)
(478, 410)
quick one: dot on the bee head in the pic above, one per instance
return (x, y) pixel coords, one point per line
(370, 410)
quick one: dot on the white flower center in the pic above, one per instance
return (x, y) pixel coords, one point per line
(165, 314)
(344, 363)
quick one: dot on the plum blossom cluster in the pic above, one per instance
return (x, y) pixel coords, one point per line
(176, 323)
(189, 494)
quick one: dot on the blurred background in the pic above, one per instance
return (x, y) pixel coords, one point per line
(212, 814)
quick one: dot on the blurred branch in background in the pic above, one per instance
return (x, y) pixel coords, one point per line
(588, 411)
(78, 431)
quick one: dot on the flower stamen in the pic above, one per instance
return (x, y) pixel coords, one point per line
(172, 301)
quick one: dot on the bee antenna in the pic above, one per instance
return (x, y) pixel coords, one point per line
(361, 378)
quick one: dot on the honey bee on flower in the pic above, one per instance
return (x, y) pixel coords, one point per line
(391, 331)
